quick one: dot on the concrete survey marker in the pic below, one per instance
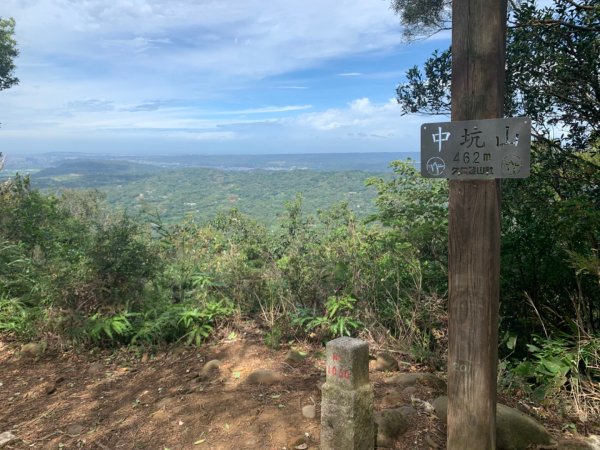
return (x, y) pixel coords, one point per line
(347, 402)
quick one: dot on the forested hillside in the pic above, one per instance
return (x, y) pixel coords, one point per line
(202, 193)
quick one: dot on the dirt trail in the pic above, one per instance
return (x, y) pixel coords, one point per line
(126, 401)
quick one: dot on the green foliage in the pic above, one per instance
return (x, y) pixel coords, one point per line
(17, 318)
(422, 18)
(557, 364)
(273, 337)
(427, 92)
(8, 53)
(552, 61)
(550, 241)
(416, 208)
(122, 261)
(337, 320)
(189, 322)
(112, 328)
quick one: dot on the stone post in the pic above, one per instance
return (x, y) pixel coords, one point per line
(347, 401)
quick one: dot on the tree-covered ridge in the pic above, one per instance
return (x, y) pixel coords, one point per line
(202, 193)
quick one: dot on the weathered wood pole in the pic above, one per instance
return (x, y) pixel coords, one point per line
(478, 55)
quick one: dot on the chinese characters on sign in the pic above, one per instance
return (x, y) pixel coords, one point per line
(476, 149)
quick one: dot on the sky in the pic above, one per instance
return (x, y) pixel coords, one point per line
(209, 76)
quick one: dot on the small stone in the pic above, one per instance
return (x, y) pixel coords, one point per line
(294, 358)
(160, 415)
(264, 376)
(96, 368)
(385, 362)
(392, 400)
(210, 369)
(591, 442)
(423, 405)
(431, 442)
(299, 443)
(408, 411)
(6, 438)
(391, 424)
(50, 389)
(309, 411)
(32, 350)
(75, 429)
(410, 390)
(413, 378)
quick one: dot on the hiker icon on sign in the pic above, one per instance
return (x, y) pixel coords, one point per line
(440, 137)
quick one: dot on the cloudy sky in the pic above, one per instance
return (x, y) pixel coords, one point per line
(209, 76)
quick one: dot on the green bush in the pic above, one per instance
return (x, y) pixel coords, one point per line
(336, 322)
(557, 364)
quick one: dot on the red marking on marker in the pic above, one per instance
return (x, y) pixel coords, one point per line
(339, 373)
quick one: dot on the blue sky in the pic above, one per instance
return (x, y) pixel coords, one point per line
(209, 76)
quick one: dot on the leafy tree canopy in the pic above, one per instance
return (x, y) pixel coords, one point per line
(8, 52)
(423, 17)
(553, 67)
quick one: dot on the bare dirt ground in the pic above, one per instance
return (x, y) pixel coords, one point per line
(129, 400)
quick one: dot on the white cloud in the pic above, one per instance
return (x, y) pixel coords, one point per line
(186, 69)
(233, 37)
(360, 115)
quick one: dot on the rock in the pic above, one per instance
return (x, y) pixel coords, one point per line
(294, 358)
(413, 378)
(386, 363)
(407, 411)
(6, 438)
(514, 429)
(33, 349)
(410, 390)
(580, 443)
(299, 443)
(160, 415)
(422, 405)
(391, 424)
(96, 369)
(393, 400)
(264, 376)
(75, 429)
(574, 444)
(210, 369)
(309, 411)
(50, 389)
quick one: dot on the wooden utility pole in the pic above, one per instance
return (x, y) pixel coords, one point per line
(478, 55)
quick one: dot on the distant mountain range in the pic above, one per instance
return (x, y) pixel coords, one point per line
(369, 162)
